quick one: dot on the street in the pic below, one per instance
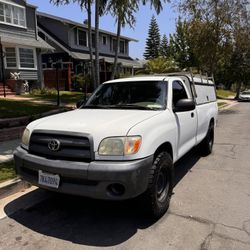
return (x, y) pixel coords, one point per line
(210, 207)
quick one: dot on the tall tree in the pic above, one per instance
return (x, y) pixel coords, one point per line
(183, 48)
(97, 64)
(123, 12)
(153, 40)
(100, 6)
(156, 4)
(164, 49)
(217, 25)
(88, 4)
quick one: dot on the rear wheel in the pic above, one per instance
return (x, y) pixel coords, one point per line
(206, 146)
(157, 197)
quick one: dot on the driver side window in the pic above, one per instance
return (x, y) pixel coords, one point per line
(179, 92)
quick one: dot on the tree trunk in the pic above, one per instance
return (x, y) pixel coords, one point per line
(90, 43)
(238, 90)
(118, 34)
(97, 65)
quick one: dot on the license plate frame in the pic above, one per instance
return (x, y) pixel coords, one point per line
(48, 179)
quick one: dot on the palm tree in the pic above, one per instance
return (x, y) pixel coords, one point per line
(88, 4)
(97, 65)
(156, 4)
(123, 11)
(100, 6)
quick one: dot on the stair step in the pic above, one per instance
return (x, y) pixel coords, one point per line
(6, 90)
(6, 87)
(7, 93)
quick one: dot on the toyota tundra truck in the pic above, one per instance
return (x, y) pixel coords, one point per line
(123, 142)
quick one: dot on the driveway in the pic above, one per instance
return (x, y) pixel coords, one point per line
(210, 208)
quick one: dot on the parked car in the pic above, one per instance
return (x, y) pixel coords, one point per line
(244, 96)
(124, 141)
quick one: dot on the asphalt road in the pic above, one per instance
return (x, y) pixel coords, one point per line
(210, 208)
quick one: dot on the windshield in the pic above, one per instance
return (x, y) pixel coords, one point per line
(150, 95)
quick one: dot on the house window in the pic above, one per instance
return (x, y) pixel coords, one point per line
(12, 14)
(104, 40)
(93, 40)
(126, 48)
(82, 38)
(122, 47)
(114, 44)
(20, 58)
(26, 57)
(10, 54)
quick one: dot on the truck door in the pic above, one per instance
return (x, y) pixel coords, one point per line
(186, 121)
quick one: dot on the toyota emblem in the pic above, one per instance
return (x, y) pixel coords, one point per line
(54, 145)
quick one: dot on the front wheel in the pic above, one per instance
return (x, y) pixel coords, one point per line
(157, 197)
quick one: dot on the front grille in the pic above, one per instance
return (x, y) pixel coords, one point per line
(72, 147)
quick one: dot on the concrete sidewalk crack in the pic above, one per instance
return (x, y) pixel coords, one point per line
(205, 244)
(230, 238)
(190, 217)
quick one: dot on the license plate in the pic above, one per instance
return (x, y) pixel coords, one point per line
(49, 180)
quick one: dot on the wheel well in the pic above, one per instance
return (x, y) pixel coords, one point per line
(164, 147)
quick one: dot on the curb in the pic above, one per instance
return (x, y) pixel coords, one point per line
(13, 186)
(228, 106)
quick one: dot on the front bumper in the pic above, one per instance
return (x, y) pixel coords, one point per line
(87, 179)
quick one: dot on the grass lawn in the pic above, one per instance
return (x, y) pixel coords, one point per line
(66, 97)
(221, 93)
(7, 171)
(11, 108)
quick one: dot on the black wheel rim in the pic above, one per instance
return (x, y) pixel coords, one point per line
(162, 185)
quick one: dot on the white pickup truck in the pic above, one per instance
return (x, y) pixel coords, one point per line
(124, 141)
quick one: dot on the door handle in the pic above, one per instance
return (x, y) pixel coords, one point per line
(192, 114)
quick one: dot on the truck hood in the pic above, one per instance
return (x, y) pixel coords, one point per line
(98, 123)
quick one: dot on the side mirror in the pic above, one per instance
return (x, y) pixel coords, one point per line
(80, 103)
(184, 105)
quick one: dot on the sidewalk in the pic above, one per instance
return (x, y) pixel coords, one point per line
(7, 148)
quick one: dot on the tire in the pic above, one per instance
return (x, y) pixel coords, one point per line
(156, 199)
(206, 146)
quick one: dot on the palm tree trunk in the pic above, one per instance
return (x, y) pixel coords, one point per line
(90, 43)
(97, 71)
(114, 72)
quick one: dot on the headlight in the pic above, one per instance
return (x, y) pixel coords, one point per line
(119, 146)
(25, 137)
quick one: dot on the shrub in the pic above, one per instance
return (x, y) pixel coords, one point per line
(43, 91)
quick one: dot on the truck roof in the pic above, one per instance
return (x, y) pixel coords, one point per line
(139, 78)
(196, 78)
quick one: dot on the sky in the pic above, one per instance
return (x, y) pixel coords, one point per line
(166, 21)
